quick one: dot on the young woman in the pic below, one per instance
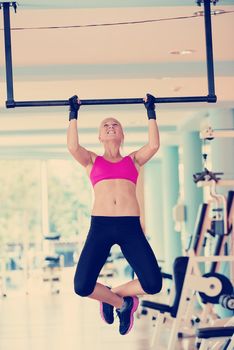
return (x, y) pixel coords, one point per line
(115, 217)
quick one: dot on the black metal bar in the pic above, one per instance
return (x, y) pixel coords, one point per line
(8, 55)
(217, 251)
(111, 101)
(10, 103)
(209, 48)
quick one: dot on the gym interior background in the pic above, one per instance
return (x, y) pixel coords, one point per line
(98, 50)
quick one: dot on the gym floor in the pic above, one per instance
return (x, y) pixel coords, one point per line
(41, 320)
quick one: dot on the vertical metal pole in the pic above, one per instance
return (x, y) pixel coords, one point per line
(44, 198)
(8, 56)
(209, 48)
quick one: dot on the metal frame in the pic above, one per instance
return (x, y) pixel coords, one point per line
(220, 183)
(11, 103)
(193, 282)
(210, 134)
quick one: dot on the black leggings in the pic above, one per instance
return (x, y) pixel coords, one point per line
(126, 231)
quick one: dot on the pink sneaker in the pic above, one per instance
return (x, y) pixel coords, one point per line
(126, 314)
(107, 312)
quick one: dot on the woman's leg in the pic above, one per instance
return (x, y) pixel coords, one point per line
(104, 294)
(130, 288)
(139, 254)
(91, 261)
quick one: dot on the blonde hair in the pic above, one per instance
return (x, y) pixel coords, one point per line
(110, 118)
(114, 119)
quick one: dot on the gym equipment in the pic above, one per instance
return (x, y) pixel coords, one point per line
(188, 278)
(221, 334)
(196, 244)
(11, 103)
(218, 334)
(227, 301)
(218, 282)
(206, 175)
(3, 276)
(196, 239)
(220, 226)
(52, 264)
(226, 288)
(210, 134)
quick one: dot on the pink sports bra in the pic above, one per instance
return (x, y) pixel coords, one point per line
(104, 170)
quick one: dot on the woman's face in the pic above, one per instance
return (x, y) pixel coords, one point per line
(111, 129)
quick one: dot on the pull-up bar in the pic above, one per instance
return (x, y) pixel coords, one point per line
(11, 103)
(110, 101)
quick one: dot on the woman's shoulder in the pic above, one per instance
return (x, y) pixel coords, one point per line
(93, 156)
(132, 156)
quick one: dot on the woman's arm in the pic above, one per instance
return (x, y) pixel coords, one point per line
(146, 152)
(82, 155)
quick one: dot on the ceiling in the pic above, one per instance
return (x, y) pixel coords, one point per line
(110, 61)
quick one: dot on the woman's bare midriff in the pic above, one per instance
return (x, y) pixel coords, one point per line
(115, 198)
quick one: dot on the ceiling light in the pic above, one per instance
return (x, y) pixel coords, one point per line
(182, 52)
(176, 88)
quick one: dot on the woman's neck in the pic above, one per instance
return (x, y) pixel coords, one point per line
(112, 152)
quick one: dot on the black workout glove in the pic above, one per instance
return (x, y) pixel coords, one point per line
(74, 107)
(150, 106)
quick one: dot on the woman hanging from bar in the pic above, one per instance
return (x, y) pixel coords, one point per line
(115, 217)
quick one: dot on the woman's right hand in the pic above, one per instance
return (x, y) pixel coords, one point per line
(74, 104)
(149, 103)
